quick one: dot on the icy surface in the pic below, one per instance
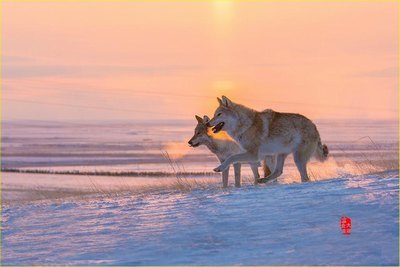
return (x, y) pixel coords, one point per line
(50, 219)
(284, 224)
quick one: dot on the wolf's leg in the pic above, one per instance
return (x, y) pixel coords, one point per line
(237, 167)
(280, 161)
(270, 161)
(300, 158)
(242, 157)
(266, 169)
(225, 177)
(254, 169)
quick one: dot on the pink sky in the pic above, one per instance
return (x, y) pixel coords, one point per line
(138, 60)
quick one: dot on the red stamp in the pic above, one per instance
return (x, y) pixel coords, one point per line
(345, 224)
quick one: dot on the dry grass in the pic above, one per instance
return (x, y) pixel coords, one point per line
(182, 183)
(98, 186)
(96, 189)
(180, 180)
(331, 168)
(113, 173)
(118, 183)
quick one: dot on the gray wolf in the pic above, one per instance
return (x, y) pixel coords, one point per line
(268, 133)
(223, 146)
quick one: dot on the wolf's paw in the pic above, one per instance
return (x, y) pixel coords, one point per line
(221, 168)
(262, 180)
(267, 180)
(218, 169)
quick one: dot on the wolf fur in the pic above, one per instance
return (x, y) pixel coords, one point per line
(268, 133)
(223, 147)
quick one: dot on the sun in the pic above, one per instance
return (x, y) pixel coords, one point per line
(222, 87)
(223, 12)
(229, 88)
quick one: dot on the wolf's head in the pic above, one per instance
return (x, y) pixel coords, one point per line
(200, 136)
(225, 117)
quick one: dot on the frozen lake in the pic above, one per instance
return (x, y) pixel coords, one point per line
(139, 146)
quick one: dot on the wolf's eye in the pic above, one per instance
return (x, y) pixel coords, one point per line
(219, 114)
(198, 133)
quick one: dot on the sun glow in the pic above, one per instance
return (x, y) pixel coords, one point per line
(260, 53)
(177, 150)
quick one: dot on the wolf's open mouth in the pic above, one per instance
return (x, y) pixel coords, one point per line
(195, 145)
(218, 127)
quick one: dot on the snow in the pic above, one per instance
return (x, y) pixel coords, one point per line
(283, 224)
(50, 219)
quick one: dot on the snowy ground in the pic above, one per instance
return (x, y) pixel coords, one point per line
(284, 224)
(50, 219)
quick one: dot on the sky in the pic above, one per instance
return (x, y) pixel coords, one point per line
(170, 60)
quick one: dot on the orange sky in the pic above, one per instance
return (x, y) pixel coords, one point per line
(138, 60)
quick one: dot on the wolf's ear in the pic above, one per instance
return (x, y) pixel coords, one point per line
(226, 101)
(199, 119)
(206, 119)
(219, 101)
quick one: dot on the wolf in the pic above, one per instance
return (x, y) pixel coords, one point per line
(224, 146)
(268, 132)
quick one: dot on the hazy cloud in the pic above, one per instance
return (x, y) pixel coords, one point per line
(385, 72)
(35, 70)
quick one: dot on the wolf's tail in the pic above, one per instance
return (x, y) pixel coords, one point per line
(322, 151)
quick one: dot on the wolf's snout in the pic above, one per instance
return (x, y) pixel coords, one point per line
(193, 144)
